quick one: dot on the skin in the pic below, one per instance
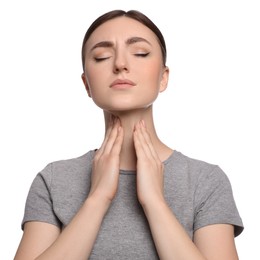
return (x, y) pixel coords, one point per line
(130, 143)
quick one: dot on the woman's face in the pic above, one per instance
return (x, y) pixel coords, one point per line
(123, 65)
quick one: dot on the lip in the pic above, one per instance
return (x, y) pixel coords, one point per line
(122, 84)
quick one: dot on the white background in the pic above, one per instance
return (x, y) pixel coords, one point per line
(210, 110)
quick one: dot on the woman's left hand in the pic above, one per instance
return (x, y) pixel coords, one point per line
(149, 168)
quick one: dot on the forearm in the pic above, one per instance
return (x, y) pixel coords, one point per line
(170, 238)
(78, 238)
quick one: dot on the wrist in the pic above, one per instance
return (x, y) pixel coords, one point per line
(97, 203)
(154, 205)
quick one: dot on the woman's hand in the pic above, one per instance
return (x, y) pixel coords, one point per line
(149, 168)
(105, 169)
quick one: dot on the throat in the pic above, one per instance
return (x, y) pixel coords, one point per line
(128, 156)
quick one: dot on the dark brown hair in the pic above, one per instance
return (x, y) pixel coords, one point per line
(136, 15)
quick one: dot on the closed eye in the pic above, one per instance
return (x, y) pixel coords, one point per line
(101, 59)
(142, 54)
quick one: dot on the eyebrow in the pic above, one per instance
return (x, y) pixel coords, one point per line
(133, 40)
(129, 41)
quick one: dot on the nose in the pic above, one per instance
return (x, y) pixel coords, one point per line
(120, 64)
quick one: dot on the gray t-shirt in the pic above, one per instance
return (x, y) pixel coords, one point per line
(198, 193)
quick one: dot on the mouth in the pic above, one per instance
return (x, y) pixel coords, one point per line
(122, 84)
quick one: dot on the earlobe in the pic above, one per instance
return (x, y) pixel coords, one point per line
(83, 77)
(164, 80)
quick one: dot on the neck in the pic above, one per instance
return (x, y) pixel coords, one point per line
(128, 120)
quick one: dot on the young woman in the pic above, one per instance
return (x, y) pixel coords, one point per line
(134, 197)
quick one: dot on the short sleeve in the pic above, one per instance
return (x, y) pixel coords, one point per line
(39, 206)
(214, 202)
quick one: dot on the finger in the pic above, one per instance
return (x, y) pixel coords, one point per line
(148, 140)
(142, 139)
(103, 145)
(100, 151)
(116, 149)
(111, 137)
(141, 150)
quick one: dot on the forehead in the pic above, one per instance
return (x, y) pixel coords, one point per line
(123, 28)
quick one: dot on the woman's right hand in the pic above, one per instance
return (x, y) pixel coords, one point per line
(46, 241)
(105, 168)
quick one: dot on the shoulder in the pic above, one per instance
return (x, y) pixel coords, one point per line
(193, 167)
(67, 168)
(191, 161)
(73, 163)
(197, 176)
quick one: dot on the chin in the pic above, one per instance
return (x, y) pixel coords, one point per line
(125, 104)
(129, 109)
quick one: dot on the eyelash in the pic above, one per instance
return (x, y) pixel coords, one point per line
(100, 59)
(142, 54)
(137, 55)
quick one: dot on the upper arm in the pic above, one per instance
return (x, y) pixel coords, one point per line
(216, 242)
(37, 237)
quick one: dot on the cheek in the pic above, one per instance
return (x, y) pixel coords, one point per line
(97, 89)
(92, 80)
(153, 74)
(97, 74)
(90, 74)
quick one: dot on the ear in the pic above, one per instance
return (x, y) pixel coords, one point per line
(83, 77)
(164, 79)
